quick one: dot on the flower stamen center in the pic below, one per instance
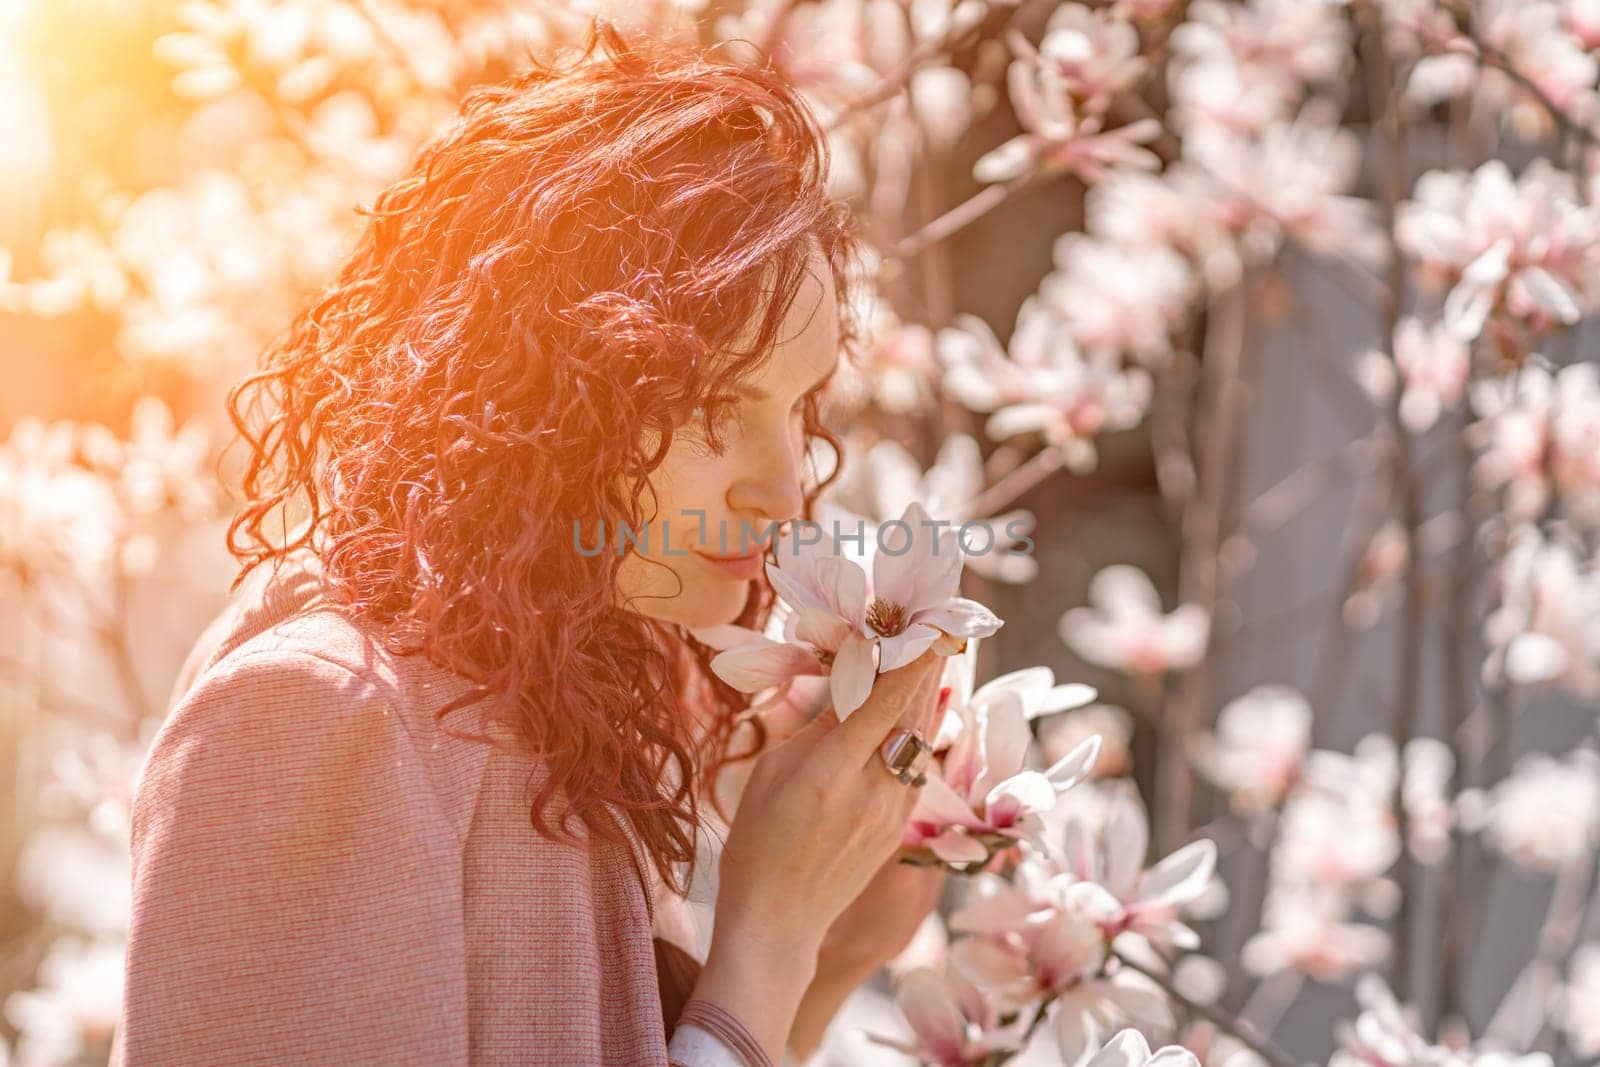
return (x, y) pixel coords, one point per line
(886, 618)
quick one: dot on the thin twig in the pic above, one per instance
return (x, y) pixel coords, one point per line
(1016, 482)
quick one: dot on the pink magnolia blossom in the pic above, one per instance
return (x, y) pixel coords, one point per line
(1094, 53)
(897, 362)
(980, 793)
(852, 627)
(1045, 385)
(1182, 208)
(1122, 298)
(1285, 43)
(1309, 931)
(1255, 754)
(1546, 627)
(1126, 629)
(1287, 183)
(1513, 436)
(1103, 870)
(955, 1023)
(1061, 135)
(1523, 248)
(1515, 815)
(1538, 432)
(1026, 945)
(885, 478)
(1386, 1035)
(1338, 832)
(1431, 364)
(1534, 40)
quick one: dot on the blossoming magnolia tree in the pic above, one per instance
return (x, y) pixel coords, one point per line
(1205, 147)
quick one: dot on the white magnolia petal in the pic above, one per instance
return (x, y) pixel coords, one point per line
(940, 805)
(925, 999)
(1076, 765)
(905, 646)
(961, 617)
(752, 667)
(820, 628)
(926, 571)
(953, 846)
(1021, 794)
(1173, 1056)
(853, 672)
(988, 963)
(1180, 877)
(1127, 1049)
(1006, 738)
(1031, 682)
(1064, 697)
(844, 588)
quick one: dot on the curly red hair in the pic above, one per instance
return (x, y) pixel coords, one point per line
(569, 271)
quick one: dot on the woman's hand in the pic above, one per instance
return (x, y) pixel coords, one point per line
(872, 930)
(879, 923)
(819, 817)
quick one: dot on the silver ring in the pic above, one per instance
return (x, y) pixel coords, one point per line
(906, 754)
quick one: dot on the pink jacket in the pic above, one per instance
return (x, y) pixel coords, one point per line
(323, 876)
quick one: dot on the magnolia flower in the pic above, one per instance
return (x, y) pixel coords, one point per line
(1307, 930)
(1062, 135)
(1045, 385)
(1385, 1033)
(852, 627)
(1260, 740)
(980, 794)
(1515, 815)
(1027, 946)
(1288, 184)
(1338, 831)
(1126, 630)
(1094, 53)
(1432, 365)
(897, 362)
(1113, 725)
(1124, 298)
(1546, 627)
(1539, 436)
(886, 478)
(1533, 41)
(1180, 208)
(1525, 248)
(1105, 873)
(954, 1022)
(1129, 1049)
(1272, 48)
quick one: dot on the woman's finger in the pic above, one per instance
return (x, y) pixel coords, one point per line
(860, 735)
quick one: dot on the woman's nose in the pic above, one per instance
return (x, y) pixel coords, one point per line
(768, 489)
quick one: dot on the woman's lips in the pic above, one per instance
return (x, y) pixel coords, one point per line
(742, 568)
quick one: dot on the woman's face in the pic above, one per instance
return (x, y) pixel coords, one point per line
(696, 558)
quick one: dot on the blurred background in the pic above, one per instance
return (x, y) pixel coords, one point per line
(1271, 316)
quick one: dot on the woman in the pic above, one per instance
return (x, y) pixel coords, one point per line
(430, 786)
